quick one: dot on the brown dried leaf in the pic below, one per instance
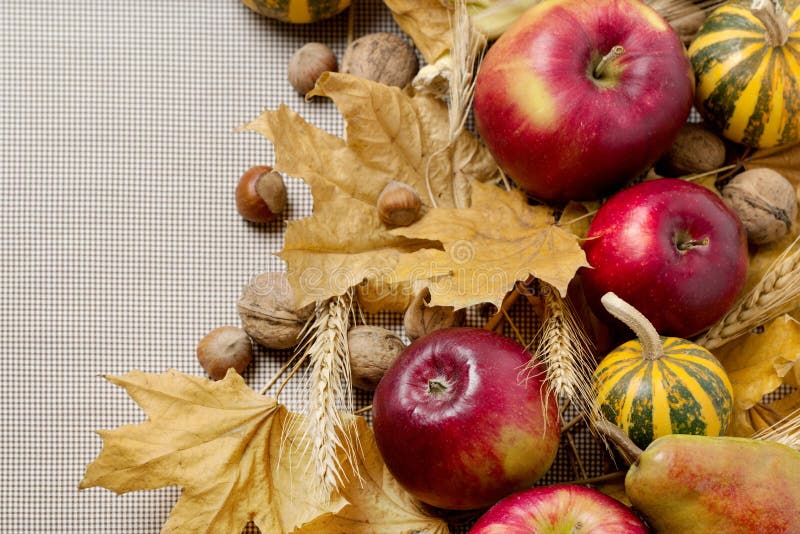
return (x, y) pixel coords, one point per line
(785, 160)
(488, 247)
(757, 364)
(240, 457)
(427, 22)
(390, 136)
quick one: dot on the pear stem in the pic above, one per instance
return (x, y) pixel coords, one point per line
(774, 19)
(652, 349)
(615, 52)
(620, 438)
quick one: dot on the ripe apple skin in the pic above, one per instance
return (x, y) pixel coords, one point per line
(558, 131)
(558, 509)
(633, 248)
(484, 431)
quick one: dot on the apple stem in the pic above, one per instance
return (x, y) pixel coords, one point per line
(615, 52)
(691, 243)
(620, 438)
(775, 20)
(652, 349)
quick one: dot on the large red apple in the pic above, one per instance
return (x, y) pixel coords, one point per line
(562, 125)
(459, 422)
(670, 248)
(557, 510)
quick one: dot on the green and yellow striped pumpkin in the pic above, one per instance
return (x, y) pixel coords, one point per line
(653, 386)
(685, 391)
(297, 11)
(748, 76)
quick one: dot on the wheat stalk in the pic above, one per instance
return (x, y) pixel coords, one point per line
(786, 431)
(778, 287)
(466, 52)
(565, 350)
(329, 391)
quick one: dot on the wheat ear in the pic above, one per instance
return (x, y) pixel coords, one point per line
(565, 350)
(786, 431)
(768, 299)
(329, 391)
(466, 52)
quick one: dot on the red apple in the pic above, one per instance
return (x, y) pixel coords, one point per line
(562, 126)
(670, 248)
(557, 509)
(460, 423)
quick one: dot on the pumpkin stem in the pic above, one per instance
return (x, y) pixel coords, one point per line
(620, 438)
(775, 20)
(615, 52)
(652, 349)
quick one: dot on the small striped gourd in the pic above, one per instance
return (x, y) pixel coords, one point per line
(297, 11)
(653, 386)
(746, 59)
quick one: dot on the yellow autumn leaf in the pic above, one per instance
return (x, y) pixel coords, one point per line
(757, 364)
(391, 135)
(499, 240)
(427, 22)
(240, 457)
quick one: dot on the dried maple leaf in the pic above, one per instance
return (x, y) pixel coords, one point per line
(225, 445)
(499, 240)
(757, 364)
(785, 160)
(390, 136)
(427, 22)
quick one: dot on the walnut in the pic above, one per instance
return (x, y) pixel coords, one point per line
(695, 150)
(765, 202)
(266, 309)
(372, 352)
(381, 57)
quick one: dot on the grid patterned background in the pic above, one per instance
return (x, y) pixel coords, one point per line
(121, 246)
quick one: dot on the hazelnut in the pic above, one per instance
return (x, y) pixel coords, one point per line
(372, 351)
(398, 204)
(307, 65)
(765, 201)
(381, 57)
(421, 319)
(260, 194)
(223, 348)
(267, 311)
(695, 150)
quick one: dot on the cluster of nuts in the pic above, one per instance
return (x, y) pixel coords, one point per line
(381, 57)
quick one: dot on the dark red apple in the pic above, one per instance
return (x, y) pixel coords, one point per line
(562, 125)
(460, 423)
(557, 510)
(670, 248)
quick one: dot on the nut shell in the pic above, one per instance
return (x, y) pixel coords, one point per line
(695, 150)
(766, 203)
(307, 64)
(381, 57)
(398, 204)
(266, 309)
(260, 194)
(372, 352)
(223, 348)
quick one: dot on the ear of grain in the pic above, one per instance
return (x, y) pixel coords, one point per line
(565, 351)
(786, 431)
(779, 286)
(329, 393)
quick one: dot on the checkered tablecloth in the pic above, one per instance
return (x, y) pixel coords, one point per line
(120, 243)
